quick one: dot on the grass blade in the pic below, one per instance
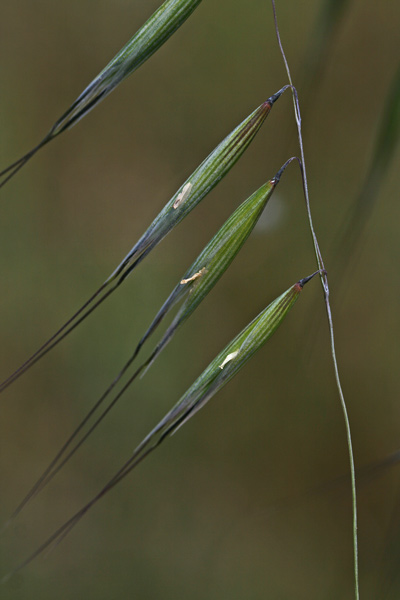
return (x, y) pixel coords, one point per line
(221, 370)
(148, 39)
(331, 14)
(384, 149)
(201, 182)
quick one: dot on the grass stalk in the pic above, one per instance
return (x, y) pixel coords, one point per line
(325, 286)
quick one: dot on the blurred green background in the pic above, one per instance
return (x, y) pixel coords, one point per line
(236, 505)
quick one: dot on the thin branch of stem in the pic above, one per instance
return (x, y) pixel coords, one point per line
(325, 285)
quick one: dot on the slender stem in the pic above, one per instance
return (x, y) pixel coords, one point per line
(325, 285)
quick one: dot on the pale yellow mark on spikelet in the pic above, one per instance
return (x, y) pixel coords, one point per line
(230, 357)
(183, 194)
(194, 277)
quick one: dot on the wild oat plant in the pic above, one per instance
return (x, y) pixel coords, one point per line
(292, 367)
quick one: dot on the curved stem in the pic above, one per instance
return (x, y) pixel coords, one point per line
(325, 285)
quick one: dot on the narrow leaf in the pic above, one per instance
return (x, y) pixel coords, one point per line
(148, 39)
(382, 155)
(202, 181)
(330, 17)
(384, 148)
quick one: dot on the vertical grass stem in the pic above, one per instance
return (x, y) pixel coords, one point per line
(325, 285)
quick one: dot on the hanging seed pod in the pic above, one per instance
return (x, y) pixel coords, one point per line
(148, 39)
(213, 261)
(197, 282)
(202, 181)
(221, 370)
(198, 185)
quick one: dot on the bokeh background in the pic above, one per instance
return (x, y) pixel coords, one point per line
(250, 499)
